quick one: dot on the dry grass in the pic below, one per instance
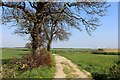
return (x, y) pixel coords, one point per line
(111, 50)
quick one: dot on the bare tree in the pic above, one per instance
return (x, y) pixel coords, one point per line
(53, 30)
(32, 15)
(54, 34)
(28, 45)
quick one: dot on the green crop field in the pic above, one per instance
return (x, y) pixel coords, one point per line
(97, 64)
(94, 63)
(9, 53)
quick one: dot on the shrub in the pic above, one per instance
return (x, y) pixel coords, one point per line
(105, 53)
(28, 45)
(27, 62)
(100, 49)
(114, 71)
(98, 52)
(12, 68)
(98, 76)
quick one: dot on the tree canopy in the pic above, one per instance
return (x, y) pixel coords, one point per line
(43, 19)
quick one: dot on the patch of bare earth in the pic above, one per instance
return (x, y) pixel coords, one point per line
(66, 69)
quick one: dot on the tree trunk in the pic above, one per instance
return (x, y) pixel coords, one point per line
(49, 45)
(36, 31)
(36, 40)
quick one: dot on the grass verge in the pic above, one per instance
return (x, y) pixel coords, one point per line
(10, 70)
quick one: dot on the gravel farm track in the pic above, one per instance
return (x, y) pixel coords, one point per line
(66, 69)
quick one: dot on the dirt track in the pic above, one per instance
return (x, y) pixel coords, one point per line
(66, 69)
